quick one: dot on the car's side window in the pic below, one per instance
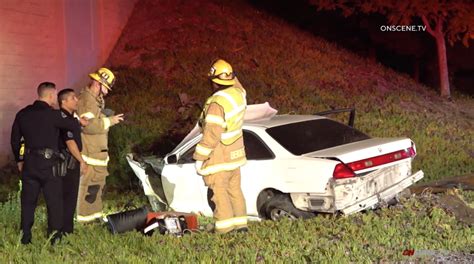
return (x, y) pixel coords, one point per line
(255, 148)
(187, 157)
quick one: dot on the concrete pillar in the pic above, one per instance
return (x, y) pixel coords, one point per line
(52, 40)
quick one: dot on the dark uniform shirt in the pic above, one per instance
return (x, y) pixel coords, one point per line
(74, 134)
(39, 125)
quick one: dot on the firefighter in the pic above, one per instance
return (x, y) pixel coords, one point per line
(220, 153)
(38, 124)
(70, 144)
(94, 143)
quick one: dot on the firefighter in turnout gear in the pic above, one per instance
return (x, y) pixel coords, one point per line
(94, 141)
(220, 153)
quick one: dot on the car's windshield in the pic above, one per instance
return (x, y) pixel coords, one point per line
(308, 136)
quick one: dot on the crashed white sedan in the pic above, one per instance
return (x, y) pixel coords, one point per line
(298, 166)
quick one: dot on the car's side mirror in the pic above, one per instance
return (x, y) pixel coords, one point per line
(172, 159)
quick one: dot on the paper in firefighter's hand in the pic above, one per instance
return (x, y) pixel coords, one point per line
(259, 112)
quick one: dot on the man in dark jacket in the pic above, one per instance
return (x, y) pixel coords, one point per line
(70, 144)
(38, 124)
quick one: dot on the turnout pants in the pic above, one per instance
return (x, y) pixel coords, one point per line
(89, 203)
(70, 192)
(227, 200)
(35, 178)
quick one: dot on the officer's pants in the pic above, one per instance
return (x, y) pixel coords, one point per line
(70, 192)
(89, 205)
(227, 200)
(34, 179)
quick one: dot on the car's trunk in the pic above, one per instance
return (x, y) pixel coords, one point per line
(375, 151)
(376, 170)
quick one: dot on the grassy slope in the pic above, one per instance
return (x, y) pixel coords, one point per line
(164, 52)
(166, 49)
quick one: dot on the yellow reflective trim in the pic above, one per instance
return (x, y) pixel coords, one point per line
(88, 218)
(203, 150)
(237, 154)
(223, 224)
(240, 221)
(231, 134)
(95, 162)
(214, 119)
(22, 149)
(228, 97)
(107, 123)
(222, 167)
(236, 111)
(88, 115)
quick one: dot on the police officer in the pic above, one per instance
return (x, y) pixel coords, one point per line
(38, 124)
(70, 144)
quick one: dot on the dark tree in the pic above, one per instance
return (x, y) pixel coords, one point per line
(444, 20)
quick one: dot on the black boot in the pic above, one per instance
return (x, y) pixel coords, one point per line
(56, 238)
(241, 229)
(26, 239)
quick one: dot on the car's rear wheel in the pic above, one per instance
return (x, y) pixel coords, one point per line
(280, 207)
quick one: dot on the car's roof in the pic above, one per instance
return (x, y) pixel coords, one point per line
(279, 120)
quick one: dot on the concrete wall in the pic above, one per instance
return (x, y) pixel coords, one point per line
(52, 40)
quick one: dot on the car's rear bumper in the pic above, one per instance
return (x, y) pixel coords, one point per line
(359, 193)
(356, 194)
(385, 195)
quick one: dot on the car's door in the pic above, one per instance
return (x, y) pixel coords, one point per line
(184, 189)
(258, 171)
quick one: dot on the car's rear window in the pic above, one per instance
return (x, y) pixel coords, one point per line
(308, 136)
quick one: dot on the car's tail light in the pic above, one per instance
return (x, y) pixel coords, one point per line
(342, 171)
(383, 159)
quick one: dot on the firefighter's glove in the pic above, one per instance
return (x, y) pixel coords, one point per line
(198, 165)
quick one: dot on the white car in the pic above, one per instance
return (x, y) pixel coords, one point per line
(298, 165)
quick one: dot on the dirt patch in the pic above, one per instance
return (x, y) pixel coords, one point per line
(455, 205)
(465, 182)
(444, 194)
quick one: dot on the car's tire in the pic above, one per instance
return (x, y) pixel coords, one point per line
(280, 206)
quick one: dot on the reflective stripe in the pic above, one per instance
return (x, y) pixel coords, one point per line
(214, 119)
(107, 123)
(228, 224)
(228, 135)
(240, 221)
(222, 167)
(234, 104)
(224, 224)
(236, 154)
(228, 97)
(203, 150)
(88, 115)
(95, 162)
(88, 218)
(235, 112)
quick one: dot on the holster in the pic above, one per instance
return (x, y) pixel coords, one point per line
(71, 162)
(60, 167)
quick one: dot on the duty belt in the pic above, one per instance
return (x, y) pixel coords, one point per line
(47, 153)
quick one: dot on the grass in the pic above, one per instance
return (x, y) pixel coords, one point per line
(380, 235)
(167, 52)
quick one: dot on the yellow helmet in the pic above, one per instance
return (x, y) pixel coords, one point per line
(221, 73)
(104, 76)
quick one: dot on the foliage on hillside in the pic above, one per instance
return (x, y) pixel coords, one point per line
(166, 50)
